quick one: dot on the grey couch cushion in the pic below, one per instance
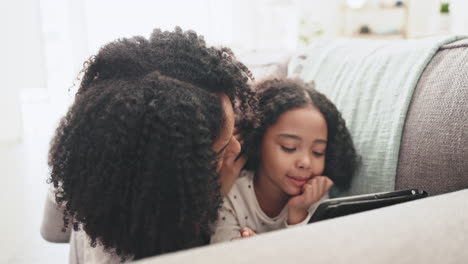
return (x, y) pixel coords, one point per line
(431, 230)
(434, 148)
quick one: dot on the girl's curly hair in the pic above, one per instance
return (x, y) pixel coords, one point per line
(278, 96)
(132, 160)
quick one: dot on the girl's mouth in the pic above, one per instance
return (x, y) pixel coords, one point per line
(297, 180)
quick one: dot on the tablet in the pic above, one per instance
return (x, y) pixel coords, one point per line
(354, 204)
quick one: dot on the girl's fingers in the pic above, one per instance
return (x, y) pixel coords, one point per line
(309, 192)
(316, 188)
(247, 232)
(327, 185)
(323, 185)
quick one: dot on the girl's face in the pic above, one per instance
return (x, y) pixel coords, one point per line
(293, 150)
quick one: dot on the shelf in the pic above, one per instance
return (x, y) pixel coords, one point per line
(384, 22)
(379, 36)
(375, 9)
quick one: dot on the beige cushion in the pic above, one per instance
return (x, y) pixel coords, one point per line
(430, 230)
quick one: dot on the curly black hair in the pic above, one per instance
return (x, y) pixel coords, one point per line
(277, 96)
(132, 160)
(179, 54)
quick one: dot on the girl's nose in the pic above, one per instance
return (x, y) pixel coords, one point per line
(303, 162)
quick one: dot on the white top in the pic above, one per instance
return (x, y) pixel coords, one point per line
(241, 209)
(81, 250)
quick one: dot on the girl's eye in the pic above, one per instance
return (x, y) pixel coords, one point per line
(288, 149)
(318, 154)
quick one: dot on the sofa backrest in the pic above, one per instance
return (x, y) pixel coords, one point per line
(434, 147)
(434, 144)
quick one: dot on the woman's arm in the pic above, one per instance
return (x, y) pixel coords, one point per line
(52, 222)
(227, 227)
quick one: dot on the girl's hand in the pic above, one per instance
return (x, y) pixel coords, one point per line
(244, 233)
(247, 232)
(312, 191)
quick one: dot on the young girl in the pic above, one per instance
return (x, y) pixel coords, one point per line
(300, 148)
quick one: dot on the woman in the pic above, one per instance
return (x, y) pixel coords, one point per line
(137, 160)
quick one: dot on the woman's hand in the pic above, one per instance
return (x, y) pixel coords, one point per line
(312, 191)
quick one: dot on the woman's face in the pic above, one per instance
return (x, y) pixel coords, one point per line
(293, 150)
(226, 142)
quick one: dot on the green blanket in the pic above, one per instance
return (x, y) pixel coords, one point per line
(371, 82)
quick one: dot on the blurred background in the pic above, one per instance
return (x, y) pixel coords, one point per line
(45, 42)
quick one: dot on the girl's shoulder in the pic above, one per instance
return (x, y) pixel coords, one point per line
(241, 188)
(245, 177)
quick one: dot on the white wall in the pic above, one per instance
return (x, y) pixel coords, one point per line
(459, 17)
(327, 13)
(22, 64)
(107, 20)
(423, 17)
(76, 29)
(264, 25)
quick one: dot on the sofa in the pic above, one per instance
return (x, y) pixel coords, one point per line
(432, 155)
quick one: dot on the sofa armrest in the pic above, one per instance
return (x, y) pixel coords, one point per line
(434, 143)
(431, 230)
